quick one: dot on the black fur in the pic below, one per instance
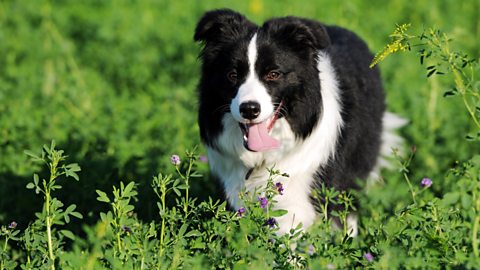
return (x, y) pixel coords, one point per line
(291, 45)
(363, 107)
(225, 35)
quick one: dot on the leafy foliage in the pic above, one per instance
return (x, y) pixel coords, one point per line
(112, 83)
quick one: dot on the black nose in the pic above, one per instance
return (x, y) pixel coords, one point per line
(250, 110)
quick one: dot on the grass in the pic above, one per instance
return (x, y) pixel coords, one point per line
(111, 83)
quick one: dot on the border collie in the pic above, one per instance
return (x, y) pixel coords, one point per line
(292, 94)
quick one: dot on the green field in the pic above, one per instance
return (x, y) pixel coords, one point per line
(113, 83)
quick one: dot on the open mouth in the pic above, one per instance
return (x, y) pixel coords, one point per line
(256, 136)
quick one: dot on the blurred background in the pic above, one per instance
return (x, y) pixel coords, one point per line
(114, 84)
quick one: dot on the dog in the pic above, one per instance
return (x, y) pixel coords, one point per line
(293, 94)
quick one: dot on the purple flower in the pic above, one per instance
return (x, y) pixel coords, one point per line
(311, 250)
(271, 222)
(263, 202)
(126, 229)
(279, 187)
(368, 256)
(12, 225)
(175, 160)
(203, 159)
(241, 211)
(426, 182)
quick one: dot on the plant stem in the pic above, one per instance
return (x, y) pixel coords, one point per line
(461, 86)
(410, 187)
(117, 213)
(5, 246)
(404, 169)
(163, 190)
(459, 82)
(119, 241)
(49, 228)
(53, 173)
(186, 178)
(325, 210)
(4, 250)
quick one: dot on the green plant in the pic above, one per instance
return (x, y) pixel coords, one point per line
(53, 214)
(105, 79)
(457, 209)
(433, 47)
(8, 233)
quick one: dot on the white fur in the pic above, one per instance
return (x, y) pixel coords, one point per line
(298, 158)
(252, 90)
(352, 225)
(390, 141)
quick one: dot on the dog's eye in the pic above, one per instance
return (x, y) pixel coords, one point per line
(232, 76)
(272, 76)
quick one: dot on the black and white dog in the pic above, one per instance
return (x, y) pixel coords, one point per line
(293, 94)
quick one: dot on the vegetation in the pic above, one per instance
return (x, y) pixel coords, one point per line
(112, 83)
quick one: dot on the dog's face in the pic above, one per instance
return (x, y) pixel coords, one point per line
(258, 74)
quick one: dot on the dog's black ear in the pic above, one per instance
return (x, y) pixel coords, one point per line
(222, 25)
(298, 33)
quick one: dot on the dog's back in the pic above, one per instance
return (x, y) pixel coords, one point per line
(291, 94)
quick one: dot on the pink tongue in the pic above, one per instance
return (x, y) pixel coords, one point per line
(258, 138)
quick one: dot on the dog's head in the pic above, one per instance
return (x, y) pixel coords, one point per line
(259, 74)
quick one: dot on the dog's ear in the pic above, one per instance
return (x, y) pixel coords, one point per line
(223, 25)
(298, 33)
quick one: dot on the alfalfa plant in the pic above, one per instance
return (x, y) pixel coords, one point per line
(43, 239)
(435, 51)
(8, 233)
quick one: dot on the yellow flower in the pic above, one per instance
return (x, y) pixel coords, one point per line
(399, 43)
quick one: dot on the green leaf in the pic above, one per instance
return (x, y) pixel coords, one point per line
(182, 186)
(177, 191)
(278, 213)
(30, 185)
(195, 233)
(129, 208)
(68, 234)
(466, 201)
(77, 215)
(182, 230)
(196, 175)
(176, 182)
(74, 167)
(70, 208)
(72, 174)
(66, 218)
(198, 244)
(128, 189)
(102, 196)
(54, 187)
(32, 155)
(451, 198)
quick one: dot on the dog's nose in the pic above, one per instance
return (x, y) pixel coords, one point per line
(250, 110)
